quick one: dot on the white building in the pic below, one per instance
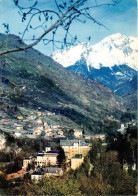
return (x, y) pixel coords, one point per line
(39, 121)
(73, 147)
(122, 126)
(42, 173)
(27, 161)
(45, 124)
(17, 134)
(53, 171)
(37, 176)
(31, 117)
(47, 148)
(38, 130)
(19, 127)
(77, 133)
(47, 158)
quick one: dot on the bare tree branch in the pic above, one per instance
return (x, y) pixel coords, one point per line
(67, 12)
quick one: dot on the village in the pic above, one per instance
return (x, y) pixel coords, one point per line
(46, 162)
(35, 124)
(32, 124)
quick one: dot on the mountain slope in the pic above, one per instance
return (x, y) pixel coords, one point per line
(112, 62)
(115, 78)
(128, 87)
(30, 79)
(131, 101)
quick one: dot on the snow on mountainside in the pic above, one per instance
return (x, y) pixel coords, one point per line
(116, 49)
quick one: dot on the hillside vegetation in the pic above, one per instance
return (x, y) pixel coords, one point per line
(31, 79)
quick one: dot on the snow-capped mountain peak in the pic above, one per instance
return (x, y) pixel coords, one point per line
(113, 50)
(70, 55)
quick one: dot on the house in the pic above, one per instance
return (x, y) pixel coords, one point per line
(53, 171)
(31, 117)
(38, 130)
(49, 134)
(55, 126)
(45, 164)
(96, 136)
(42, 173)
(38, 175)
(39, 121)
(129, 166)
(19, 127)
(17, 134)
(39, 127)
(122, 130)
(45, 124)
(47, 158)
(87, 137)
(122, 126)
(73, 147)
(49, 114)
(24, 88)
(134, 167)
(47, 148)
(104, 144)
(39, 113)
(26, 162)
(61, 133)
(134, 123)
(20, 117)
(47, 130)
(77, 133)
(6, 121)
(125, 167)
(76, 161)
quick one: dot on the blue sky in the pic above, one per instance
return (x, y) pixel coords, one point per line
(119, 19)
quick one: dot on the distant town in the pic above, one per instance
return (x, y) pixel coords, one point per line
(45, 163)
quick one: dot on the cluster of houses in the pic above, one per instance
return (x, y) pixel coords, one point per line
(46, 164)
(124, 126)
(96, 136)
(32, 125)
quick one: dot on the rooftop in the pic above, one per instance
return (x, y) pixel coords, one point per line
(52, 169)
(72, 142)
(26, 158)
(41, 151)
(40, 155)
(37, 173)
(53, 151)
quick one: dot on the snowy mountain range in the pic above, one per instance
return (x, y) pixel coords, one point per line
(113, 61)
